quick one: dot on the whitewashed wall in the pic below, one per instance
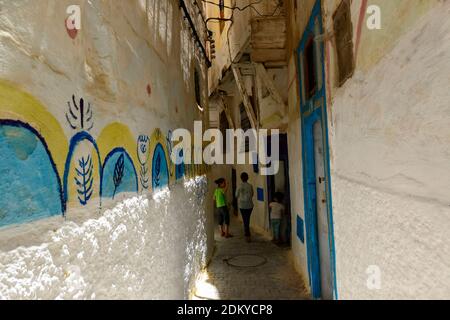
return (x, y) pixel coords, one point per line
(144, 248)
(391, 149)
(133, 63)
(389, 144)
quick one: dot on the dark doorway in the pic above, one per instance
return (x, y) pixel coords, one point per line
(234, 188)
(280, 183)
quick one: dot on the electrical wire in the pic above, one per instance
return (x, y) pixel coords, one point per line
(232, 8)
(251, 5)
(201, 14)
(230, 19)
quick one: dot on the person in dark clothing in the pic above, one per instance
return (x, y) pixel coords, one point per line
(244, 194)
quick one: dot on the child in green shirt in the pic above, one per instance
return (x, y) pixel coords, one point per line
(220, 202)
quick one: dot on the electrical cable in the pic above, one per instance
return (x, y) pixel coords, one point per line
(251, 5)
(233, 8)
(201, 14)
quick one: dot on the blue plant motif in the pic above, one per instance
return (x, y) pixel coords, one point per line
(84, 179)
(25, 162)
(169, 144)
(179, 168)
(119, 171)
(118, 174)
(158, 171)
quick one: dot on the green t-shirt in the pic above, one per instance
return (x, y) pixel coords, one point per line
(219, 196)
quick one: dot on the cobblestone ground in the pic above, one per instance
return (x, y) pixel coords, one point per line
(259, 270)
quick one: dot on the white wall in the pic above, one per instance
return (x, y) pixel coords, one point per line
(144, 248)
(296, 173)
(391, 149)
(389, 144)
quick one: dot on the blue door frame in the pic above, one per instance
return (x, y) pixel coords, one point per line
(313, 110)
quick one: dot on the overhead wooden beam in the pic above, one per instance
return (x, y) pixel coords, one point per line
(244, 95)
(262, 74)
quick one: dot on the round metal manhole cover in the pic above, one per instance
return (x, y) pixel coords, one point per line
(246, 261)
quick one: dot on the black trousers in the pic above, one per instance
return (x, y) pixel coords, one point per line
(246, 214)
(224, 216)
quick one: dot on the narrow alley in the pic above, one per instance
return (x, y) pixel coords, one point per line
(259, 270)
(132, 130)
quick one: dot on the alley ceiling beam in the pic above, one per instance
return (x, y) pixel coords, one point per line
(224, 107)
(244, 95)
(262, 74)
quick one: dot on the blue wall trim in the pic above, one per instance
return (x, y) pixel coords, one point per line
(260, 194)
(300, 229)
(308, 149)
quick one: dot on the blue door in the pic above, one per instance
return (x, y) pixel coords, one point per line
(316, 164)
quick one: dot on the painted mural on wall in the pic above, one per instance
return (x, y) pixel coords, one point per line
(179, 168)
(85, 179)
(119, 174)
(82, 174)
(44, 174)
(143, 151)
(160, 171)
(160, 165)
(176, 170)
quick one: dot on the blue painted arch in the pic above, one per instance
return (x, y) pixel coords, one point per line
(119, 174)
(179, 168)
(160, 170)
(29, 181)
(74, 142)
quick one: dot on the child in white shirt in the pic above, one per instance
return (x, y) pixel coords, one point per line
(276, 214)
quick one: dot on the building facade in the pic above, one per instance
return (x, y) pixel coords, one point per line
(360, 90)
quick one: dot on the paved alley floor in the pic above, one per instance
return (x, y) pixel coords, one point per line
(259, 270)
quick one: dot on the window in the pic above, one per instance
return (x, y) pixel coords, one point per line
(309, 71)
(344, 42)
(224, 125)
(222, 15)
